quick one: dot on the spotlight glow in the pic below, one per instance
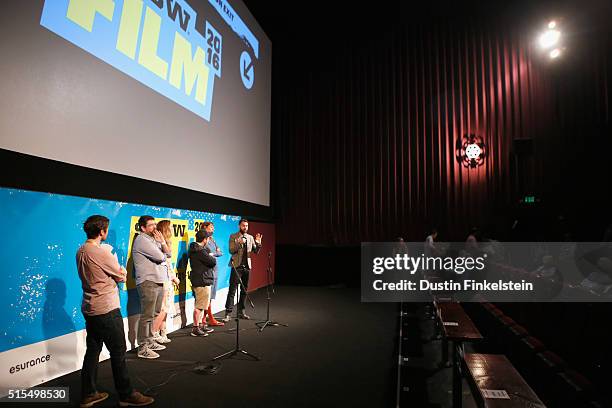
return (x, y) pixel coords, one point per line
(556, 53)
(552, 24)
(549, 38)
(472, 151)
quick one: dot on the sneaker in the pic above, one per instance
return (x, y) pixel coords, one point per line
(207, 329)
(197, 332)
(89, 400)
(146, 352)
(244, 316)
(155, 346)
(214, 322)
(136, 399)
(164, 339)
(227, 317)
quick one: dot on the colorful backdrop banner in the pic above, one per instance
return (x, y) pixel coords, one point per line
(41, 296)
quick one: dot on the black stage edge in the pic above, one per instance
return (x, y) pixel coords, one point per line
(37, 174)
(337, 352)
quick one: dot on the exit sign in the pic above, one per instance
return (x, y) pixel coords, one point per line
(529, 199)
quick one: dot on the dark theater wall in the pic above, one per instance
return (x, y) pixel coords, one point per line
(366, 141)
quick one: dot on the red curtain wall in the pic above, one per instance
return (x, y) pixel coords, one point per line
(367, 143)
(259, 273)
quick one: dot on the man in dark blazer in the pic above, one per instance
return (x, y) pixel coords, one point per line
(241, 246)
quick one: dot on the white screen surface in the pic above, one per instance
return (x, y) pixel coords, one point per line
(112, 88)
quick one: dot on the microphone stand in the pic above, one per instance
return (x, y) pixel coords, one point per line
(263, 324)
(237, 349)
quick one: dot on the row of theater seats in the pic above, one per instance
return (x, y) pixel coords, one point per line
(578, 331)
(551, 287)
(549, 375)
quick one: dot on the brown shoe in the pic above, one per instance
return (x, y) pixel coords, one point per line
(136, 400)
(89, 400)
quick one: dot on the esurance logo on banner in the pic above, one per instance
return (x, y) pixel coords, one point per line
(153, 41)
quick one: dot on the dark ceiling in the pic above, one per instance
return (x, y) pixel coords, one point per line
(286, 22)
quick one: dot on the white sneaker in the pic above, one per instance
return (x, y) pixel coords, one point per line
(146, 352)
(161, 339)
(155, 346)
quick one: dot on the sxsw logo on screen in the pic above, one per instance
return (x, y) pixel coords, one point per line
(153, 41)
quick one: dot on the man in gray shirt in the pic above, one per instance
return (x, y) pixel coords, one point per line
(149, 255)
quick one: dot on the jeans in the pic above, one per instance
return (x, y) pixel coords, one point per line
(151, 302)
(233, 286)
(105, 329)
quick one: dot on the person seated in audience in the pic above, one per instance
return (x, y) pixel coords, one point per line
(430, 247)
(599, 281)
(471, 243)
(548, 269)
(400, 247)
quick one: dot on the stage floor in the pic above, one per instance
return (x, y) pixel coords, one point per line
(336, 352)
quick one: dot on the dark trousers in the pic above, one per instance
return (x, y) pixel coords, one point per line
(233, 286)
(105, 329)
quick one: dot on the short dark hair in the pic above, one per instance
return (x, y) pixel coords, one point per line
(94, 225)
(243, 220)
(206, 224)
(142, 221)
(201, 235)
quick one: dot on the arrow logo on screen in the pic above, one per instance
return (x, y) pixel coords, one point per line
(247, 69)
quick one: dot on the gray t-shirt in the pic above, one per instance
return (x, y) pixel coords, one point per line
(149, 260)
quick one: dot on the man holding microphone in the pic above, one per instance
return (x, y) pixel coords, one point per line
(241, 245)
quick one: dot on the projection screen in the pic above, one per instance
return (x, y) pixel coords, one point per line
(173, 91)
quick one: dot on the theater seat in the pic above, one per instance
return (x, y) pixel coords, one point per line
(524, 352)
(550, 362)
(494, 310)
(577, 381)
(519, 331)
(573, 389)
(532, 344)
(547, 365)
(505, 320)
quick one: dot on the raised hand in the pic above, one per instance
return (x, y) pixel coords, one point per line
(258, 238)
(159, 237)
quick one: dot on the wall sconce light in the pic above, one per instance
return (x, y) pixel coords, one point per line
(470, 151)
